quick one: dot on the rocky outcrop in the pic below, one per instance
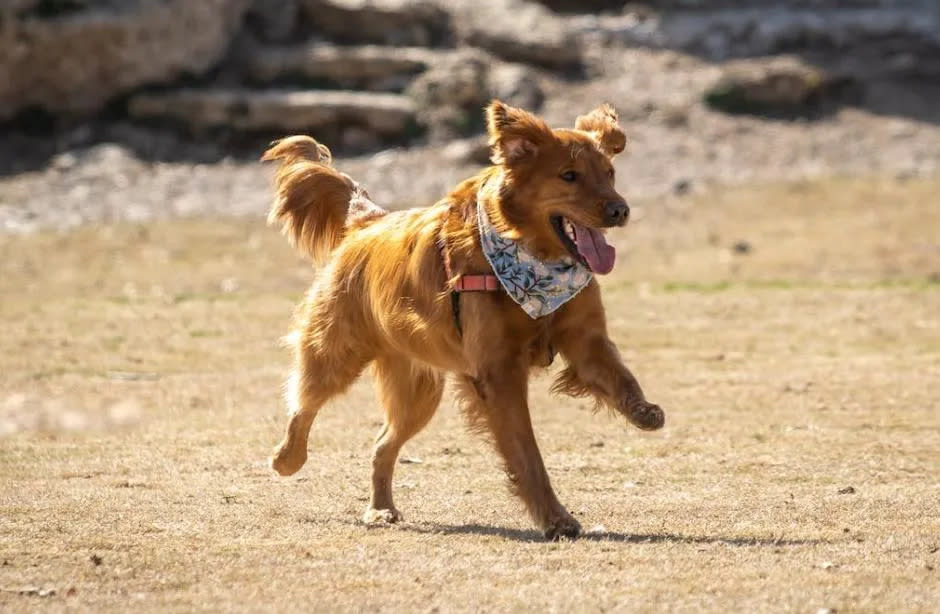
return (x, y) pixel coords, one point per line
(451, 95)
(743, 31)
(386, 22)
(370, 67)
(517, 31)
(78, 61)
(516, 84)
(387, 116)
(584, 6)
(274, 21)
(779, 85)
(448, 58)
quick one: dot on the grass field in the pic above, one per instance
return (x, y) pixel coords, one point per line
(791, 333)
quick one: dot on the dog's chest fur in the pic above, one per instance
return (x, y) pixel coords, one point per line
(541, 349)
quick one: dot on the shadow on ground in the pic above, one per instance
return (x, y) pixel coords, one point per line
(531, 535)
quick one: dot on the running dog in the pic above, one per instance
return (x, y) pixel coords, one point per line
(486, 285)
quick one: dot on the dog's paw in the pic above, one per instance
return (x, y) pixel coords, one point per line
(383, 516)
(288, 461)
(563, 527)
(646, 416)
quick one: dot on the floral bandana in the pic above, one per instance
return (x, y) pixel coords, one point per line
(539, 287)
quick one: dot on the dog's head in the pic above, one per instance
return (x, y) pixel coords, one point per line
(558, 185)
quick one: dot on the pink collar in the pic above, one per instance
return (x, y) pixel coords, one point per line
(481, 282)
(473, 282)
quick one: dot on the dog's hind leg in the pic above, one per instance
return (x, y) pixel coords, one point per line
(410, 395)
(316, 379)
(328, 358)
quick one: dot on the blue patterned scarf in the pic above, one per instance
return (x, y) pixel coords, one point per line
(539, 287)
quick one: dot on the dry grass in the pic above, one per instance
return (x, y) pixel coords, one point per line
(139, 386)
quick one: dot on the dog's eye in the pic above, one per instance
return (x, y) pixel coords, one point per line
(569, 176)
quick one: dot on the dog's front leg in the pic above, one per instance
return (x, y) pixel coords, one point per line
(495, 401)
(595, 367)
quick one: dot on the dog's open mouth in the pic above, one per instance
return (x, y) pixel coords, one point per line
(586, 244)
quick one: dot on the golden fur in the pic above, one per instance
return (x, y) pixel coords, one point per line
(381, 297)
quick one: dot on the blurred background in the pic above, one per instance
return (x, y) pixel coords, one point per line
(136, 109)
(777, 291)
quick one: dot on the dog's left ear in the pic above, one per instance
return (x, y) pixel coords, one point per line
(603, 126)
(515, 134)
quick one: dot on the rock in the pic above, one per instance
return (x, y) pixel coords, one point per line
(274, 21)
(366, 67)
(80, 60)
(451, 95)
(388, 116)
(783, 84)
(388, 22)
(737, 29)
(356, 140)
(517, 31)
(35, 591)
(18, 7)
(516, 85)
(583, 6)
(473, 150)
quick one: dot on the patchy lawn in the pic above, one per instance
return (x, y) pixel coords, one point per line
(792, 333)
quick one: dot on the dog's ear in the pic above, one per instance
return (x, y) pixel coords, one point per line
(514, 134)
(603, 126)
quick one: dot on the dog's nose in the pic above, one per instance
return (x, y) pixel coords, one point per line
(616, 213)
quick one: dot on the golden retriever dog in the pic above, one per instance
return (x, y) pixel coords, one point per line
(485, 285)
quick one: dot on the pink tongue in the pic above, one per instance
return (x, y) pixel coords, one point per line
(591, 244)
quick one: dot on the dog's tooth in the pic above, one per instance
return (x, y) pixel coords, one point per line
(569, 229)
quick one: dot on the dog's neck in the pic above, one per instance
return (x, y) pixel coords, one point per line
(495, 196)
(537, 285)
(506, 214)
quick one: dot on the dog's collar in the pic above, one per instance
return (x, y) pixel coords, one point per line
(478, 282)
(538, 286)
(470, 282)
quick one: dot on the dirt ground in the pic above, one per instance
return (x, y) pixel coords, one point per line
(791, 332)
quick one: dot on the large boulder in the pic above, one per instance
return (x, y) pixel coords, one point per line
(274, 21)
(749, 28)
(779, 85)
(517, 31)
(94, 50)
(386, 22)
(371, 67)
(451, 95)
(583, 6)
(386, 117)
(516, 85)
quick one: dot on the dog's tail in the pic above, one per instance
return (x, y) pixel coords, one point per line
(314, 203)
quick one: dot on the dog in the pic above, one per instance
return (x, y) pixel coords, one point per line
(485, 285)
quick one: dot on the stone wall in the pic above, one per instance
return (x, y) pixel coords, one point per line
(379, 71)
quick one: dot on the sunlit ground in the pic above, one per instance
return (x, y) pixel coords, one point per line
(792, 333)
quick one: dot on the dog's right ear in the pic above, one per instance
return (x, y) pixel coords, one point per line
(602, 124)
(515, 134)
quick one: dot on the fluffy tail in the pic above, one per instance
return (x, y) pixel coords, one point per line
(314, 203)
